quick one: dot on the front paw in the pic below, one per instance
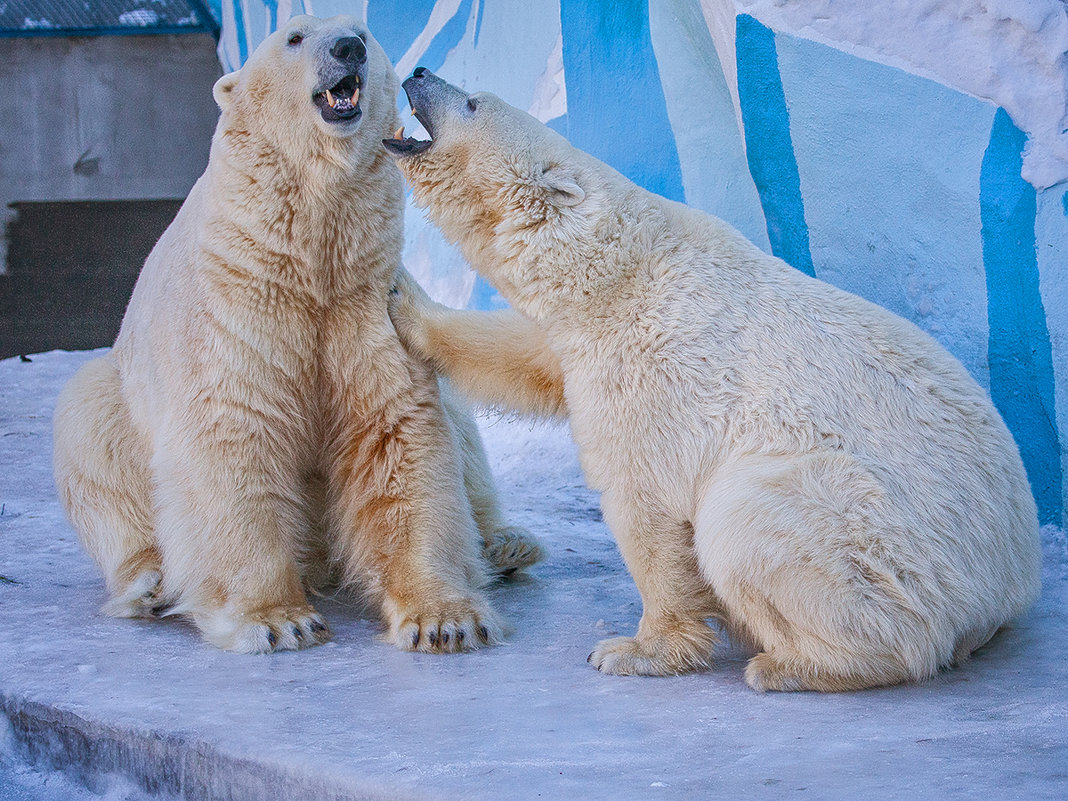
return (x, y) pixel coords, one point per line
(282, 628)
(452, 626)
(685, 649)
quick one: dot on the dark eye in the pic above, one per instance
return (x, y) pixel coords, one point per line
(296, 38)
(472, 104)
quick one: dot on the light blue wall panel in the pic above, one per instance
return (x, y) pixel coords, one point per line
(715, 176)
(889, 166)
(1051, 238)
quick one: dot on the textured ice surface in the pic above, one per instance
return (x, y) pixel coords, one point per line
(120, 704)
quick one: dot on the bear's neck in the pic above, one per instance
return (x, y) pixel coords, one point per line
(324, 228)
(566, 272)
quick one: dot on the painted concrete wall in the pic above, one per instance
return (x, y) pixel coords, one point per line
(104, 117)
(915, 153)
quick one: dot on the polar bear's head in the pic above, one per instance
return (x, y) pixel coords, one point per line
(488, 167)
(311, 86)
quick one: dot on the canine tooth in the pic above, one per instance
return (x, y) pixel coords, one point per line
(355, 95)
(330, 99)
(399, 133)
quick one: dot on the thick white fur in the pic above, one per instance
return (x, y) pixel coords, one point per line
(807, 467)
(258, 426)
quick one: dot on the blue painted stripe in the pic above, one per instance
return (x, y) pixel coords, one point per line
(769, 148)
(239, 31)
(396, 28)
(272, 14)
(485, 297)
(1021, 357)
(615, 104)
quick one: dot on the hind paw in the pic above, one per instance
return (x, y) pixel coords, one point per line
(139, 598)
(511, 549)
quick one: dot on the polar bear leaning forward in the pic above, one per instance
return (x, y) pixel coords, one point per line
(774, 452)
(258, 426)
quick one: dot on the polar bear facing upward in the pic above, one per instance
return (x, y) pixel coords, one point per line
(258, 422)
(771, 451)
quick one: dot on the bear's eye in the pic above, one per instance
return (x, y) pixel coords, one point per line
(296, 38)
(472, 104)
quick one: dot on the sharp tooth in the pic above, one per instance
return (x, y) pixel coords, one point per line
(399, 133)
(330, 99)
(355, 96)
(413, 111)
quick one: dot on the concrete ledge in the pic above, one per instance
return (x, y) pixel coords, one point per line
(152, 704)
(157, 762)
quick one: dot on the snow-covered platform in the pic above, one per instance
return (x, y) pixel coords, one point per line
(135, 709)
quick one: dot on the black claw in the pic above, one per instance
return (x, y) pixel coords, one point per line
(316, 626)
(415, 639)
(590, 658)
(158, 610)
(432, 638)
(272, 640)
(483, 632)
(444, 638)
(460, 635)
(297, 632)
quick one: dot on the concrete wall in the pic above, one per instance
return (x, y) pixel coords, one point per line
(105, 118)
(912, 151)
(93, 119)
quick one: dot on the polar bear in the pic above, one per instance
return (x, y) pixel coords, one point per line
(772, 452)
(258, 422)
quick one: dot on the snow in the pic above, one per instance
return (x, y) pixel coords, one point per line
(1013, 53)
(122, 705)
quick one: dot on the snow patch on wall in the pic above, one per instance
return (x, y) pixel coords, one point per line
(550, 92)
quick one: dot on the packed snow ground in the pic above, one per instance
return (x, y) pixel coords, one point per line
(129, 709)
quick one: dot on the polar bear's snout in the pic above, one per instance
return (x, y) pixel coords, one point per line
(342, 76)
(432, 101)
(349, 50)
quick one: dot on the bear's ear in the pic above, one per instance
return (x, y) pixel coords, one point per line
(561, 186)
(223, 89)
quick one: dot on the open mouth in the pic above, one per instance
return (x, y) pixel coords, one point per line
(408, 145)
(341, 101)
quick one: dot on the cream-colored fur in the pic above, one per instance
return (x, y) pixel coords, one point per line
(773, 452)
(258, 426)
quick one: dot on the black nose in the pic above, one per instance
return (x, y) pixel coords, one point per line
(350, 49)
(419, 72)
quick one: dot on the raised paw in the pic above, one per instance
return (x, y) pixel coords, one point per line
(139, 598)
(409, 309)
(681, 650)
(455, 626)
(275, 629)
(510, 549)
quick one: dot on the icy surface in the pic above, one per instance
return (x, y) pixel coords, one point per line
(122, 704)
